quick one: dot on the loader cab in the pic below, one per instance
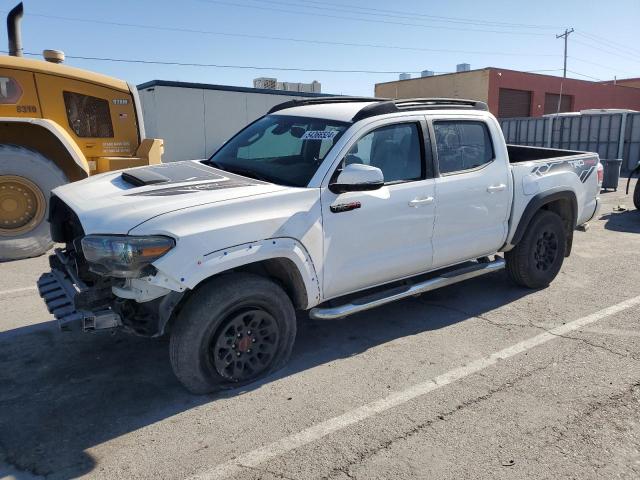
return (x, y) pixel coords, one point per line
(98, 112)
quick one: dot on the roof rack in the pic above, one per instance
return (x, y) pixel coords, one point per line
(409, 104)
(381, 106)
(322, 100)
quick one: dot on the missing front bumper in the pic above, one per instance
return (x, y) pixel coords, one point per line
(59, 289)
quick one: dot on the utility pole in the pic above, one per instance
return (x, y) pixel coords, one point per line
(564, 35)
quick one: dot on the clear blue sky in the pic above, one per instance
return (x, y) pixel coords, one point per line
(606, 42)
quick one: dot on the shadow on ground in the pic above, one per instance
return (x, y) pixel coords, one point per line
(626, 221)
(62, 394)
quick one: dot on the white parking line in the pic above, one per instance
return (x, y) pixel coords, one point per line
(17, 290)
(327, 427)
(612, 331)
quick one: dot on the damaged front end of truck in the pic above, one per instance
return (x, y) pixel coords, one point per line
(80, 290)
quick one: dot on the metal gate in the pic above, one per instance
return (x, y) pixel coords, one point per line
(533, 132)
(611, 135)
(632, 141)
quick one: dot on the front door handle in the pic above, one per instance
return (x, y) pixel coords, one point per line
(496, 188)
(417, 202)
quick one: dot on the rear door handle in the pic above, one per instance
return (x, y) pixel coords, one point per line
(417, 202)
(496, 188)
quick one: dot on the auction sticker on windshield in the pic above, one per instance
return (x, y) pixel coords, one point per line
(319, 134)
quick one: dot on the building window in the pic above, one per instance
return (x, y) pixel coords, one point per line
(514, 103)
(88, 117)
(551, 103)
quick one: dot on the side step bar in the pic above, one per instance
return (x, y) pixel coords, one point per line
(398, 293)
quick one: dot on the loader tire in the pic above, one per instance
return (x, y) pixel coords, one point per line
(26, 181)
(233, 330)
(536, 260)
(636, 195)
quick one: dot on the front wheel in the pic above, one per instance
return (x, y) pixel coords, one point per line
(234, 330)
(636, 195)
(537, 259)
(26, 181)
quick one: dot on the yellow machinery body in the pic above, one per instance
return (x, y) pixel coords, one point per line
(92, 123)
(59, 124)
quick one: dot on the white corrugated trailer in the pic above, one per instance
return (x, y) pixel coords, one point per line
(194, 119)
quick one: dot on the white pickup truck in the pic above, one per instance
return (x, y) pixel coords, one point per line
(330, 205)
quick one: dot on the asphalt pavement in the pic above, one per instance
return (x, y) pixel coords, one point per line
(481, 380)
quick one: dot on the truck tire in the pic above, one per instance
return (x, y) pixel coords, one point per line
(636, 195)
(26, 181)
(233, 330)
(537, 259)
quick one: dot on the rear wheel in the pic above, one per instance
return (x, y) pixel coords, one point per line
(231, 332)
(26, 181)
(636, 195)
(537, 259)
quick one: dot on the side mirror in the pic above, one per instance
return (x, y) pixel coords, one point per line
(357, 177)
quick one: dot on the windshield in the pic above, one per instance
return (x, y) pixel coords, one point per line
(280, 149)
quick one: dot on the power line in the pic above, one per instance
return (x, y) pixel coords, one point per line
(628, 58)
(586, 76)
(254, 67)
(452, 19)
(613, 69)
(611, 44)
(216, 65)
(369, 20)
(247, 67)
(349, 8)
(277, 38)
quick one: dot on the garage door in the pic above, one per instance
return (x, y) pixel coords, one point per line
(551, 103)
(514, 103)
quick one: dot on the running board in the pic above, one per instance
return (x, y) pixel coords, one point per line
(398, 293)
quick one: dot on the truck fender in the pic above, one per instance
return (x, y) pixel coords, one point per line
(196, 271)
(538, 202)
(60, 133)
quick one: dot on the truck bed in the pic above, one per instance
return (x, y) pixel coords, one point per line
(520, 153)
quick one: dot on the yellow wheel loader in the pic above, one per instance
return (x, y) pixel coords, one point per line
(58, 124)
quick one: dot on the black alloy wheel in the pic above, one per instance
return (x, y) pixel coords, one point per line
(546, 250)
(245, 345)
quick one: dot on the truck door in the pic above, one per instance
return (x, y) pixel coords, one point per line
(473, 191)
(383, 235)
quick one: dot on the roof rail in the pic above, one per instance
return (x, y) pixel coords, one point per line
(320, 101)
(407, 103)
(381, 106)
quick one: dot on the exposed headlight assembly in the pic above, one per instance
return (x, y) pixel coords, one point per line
(122, 255)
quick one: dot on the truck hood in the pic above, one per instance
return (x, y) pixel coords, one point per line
(116, 202)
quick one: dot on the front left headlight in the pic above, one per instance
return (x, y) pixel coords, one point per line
(122, 255)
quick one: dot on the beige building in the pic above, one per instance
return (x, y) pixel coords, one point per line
(473, 84)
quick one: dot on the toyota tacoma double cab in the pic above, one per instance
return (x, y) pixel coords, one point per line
(326, 205)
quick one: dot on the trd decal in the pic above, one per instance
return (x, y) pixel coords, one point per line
(582, 168)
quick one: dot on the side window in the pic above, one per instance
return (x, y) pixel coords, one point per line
(88, 117)
(394, 149)
(462, 145)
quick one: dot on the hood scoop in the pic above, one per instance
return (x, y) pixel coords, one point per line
(144, 176)
(176, 172)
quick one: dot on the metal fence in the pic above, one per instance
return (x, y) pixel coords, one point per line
(611, 135)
